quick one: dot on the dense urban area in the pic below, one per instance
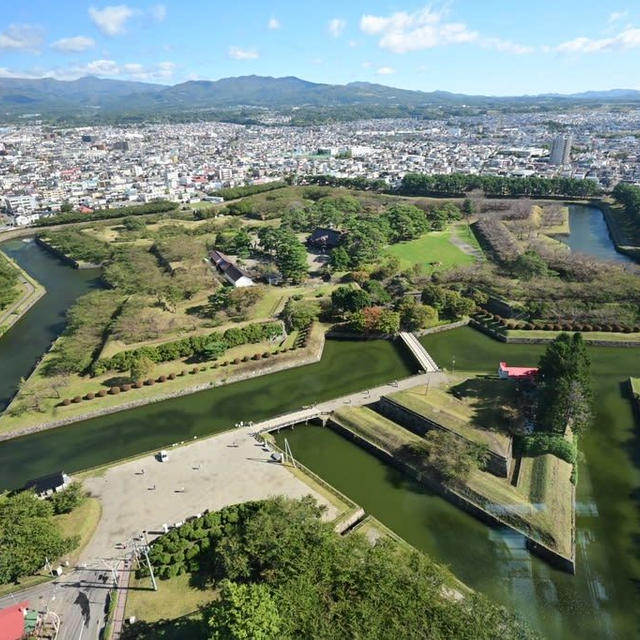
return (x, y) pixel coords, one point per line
(44, 168)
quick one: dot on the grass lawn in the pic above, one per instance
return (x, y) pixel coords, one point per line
(82, 521)
(635, 386)
(429, 248)
(174, 598)
(588, 336)
(471, 407)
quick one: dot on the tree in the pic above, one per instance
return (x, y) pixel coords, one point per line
(66, 207)
(339, 259)
(68, 499)
(28, 535)
(243, 612)
(529, 265)
(141, 367)
(388, 322)
(291, 258)
(298, 314)
(467, 207)
(416, 316)
(131, 223)
(452, 457)
(434, 296)
(346, 299)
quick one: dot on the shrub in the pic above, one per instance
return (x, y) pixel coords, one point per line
(541, 444)
(149, 381)
(172, 376)
(90, 395)
(139, 384)
(627, 329)
(162, 378)
(256, 356)
(235, 361)
(245, 359)
(114, 391)
(126, 387)
(266, 354)
(102, 393)
(66, 402)
(203, 368)
(183, 372)
(587, 327)
(76, 399)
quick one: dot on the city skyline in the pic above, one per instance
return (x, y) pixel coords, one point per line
(411, 45)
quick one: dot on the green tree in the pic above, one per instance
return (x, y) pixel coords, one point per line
(388, 322)
(243, 612)
(130, 223)
(339, 259)
(28, 535)
(291, 258)
(416, 316)
(346, 299)
(141, 367)
(452, 457)
(467, 207)
(68, 499)
(298, 314)
(529, 265)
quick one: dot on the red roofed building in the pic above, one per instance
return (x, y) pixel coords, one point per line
(506, 372)
(12, 621)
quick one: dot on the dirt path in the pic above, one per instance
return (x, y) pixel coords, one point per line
(465, 246)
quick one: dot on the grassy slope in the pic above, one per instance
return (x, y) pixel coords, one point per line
(635, 386)
(588, 336)
(459, 415)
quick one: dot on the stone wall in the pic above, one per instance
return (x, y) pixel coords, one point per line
(498, 464)
(536, 547)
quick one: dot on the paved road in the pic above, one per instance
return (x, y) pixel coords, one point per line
(79, 598)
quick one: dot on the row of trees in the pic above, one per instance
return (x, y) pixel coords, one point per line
(281, 572)
(158, 206)
(457, 184)
(629, 196)
(288, 252)
(205, 347)
(240, 192)
(8, 280)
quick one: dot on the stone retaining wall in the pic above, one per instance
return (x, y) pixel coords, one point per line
(497, 463)
(554, 558)
(443, 327)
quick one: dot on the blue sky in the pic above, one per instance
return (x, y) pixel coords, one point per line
(494, 47)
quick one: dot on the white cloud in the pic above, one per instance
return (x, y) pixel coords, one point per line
(273, 23)
(629, 38)
(426, 28)
(616, 16)
(102, 68)
(353, 43)
(237, 53)
(22, 37)
(336, 27)
(73, 45)
(158, 12)
(366, 65)
(112, 19)
(385, 71)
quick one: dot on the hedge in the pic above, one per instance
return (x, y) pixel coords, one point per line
(542, 443)
(208, 346)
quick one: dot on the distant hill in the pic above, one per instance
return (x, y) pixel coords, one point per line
(50, 97)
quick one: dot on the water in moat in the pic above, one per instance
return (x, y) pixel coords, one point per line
(23, 345)
(603, 599)
(590, 234)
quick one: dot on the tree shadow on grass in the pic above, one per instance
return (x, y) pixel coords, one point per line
(117, 381)
(185, 628)
(490, 400)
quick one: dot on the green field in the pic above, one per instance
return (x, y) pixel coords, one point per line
(635, 386)
(433, 249)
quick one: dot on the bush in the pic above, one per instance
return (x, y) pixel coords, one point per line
(162, 378)
(102, 393)
(541, 444)
(245, 359)
(172, 376)
(76, 399)
(114, 391)
(66, 402)
(90, 395)
(266, 354)
(139, 384)
(126, 387)
(235, 361)
(149, 381)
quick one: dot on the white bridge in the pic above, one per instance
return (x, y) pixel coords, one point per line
(425, 361)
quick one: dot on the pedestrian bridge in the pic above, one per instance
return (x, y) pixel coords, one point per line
(425, 361)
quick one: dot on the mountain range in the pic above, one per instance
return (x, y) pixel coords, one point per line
(49, 96)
